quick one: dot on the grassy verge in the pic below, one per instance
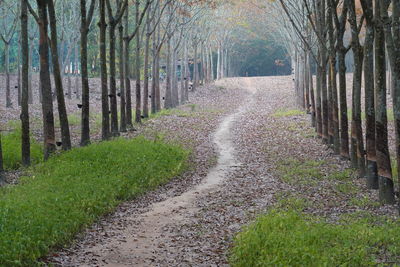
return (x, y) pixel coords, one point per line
(11, 144)
(287, 113)
(292, 238)
(73, 189)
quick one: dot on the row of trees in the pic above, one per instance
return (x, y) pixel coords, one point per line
(316, 32)
(177, 32)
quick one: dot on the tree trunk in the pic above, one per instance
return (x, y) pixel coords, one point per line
(183, 72)
(127, 72)
(7, 69)
(195, 69)
(19, 72)
(122, 79)
(396, 76)
(113, 83)
(62, 110)
(175, 94)
(105, 130)
(85, 118)
(30, 92)
(386, 186)
(168, 92)
(47, 101)
(138, 89)
(25, 138)
(77, 89)
(146, 67)
(311, 82)
(372, 171)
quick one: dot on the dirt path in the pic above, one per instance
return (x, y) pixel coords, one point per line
(144, 235)
(141, 242)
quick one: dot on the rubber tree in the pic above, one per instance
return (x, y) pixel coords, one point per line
(8, 28)
(86, 19)
(386, 185)
(357, 142)
(113, 21)
(47, 101)
(25, 136)
(372, 171)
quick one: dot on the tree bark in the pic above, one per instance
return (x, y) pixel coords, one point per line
(7, 69)
(146, 67)
(85, 117)
(113, 83)
(138, 118)
(386, 186)
(372, 171)
(105, 130)
(62, 110)
(47, 101)
(127, 73)
(25, 138)
(122, 93)
(168, 92)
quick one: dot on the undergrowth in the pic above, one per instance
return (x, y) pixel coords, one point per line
(71, 190)
(11, 145)
(292, 238)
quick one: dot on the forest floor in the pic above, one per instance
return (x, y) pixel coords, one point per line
(252, 150)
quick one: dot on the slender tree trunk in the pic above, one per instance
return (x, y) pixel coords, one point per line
(30, 92)
(187, 71)
(183, 72)
(311, 81)
(7, 68)
(85, 117)
(153, 80)
(168, 93)
(62, 110)
(195, 69)
(386, 186)
(157, 82)
(175, 94)
(47, 101)
(396, 76)
(25, 138)
(122, 74)
(127, 72)
(372, 171)
(19, 72)
(105, 131)
(318, 103)
(138, 89)
(113, 83)
(77, 89)
(146, 67)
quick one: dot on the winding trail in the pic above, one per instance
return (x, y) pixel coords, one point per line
(140, 243)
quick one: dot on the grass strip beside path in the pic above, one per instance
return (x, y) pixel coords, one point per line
(293, 238)
(71, 190)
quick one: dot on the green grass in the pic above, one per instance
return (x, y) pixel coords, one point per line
(73, 120)
(292, 238)
(71, 190)
(293, 171)
(287, 113)
(344, 175)
(11, 145)
(345, 188)
(390, 115)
